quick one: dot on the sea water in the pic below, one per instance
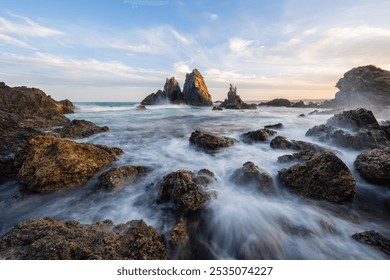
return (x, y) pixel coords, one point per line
(241, 223)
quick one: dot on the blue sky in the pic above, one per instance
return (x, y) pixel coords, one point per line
(122, 50)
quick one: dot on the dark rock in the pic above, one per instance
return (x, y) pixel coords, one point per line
(299, 104)
(385, 126)
(315, 112)
(374, 165)
(79, 129)
(278, 102)
(234, 101)
(179, 236)
(67, 106)
(323, 176)
(274, 126)
(140, 107)
(280, 142)
(260, 135)
(304, 155)
(364, 85)
(159, 97)
(301, 116)
(210, 142)
(354, 120)
(374, 239)
(216, 107)
(195, 91)
(173, 91)
(49, 239)
(118, 177)
(203, 177)
(180, 188)
(49, 163)
(251, 175)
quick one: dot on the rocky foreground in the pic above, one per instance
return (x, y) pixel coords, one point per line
(34, 151)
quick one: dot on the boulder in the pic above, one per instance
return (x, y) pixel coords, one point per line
(210, 142)
(181, 189)
(278, 102)
(303, 156)
(118, 177)
(234, 101)
(280, 142)
(364, 85)
(195, 91)
(140, 107)
(323, 176)
(354, 120)
(374, 239)
(49, 164)
(299, 104)
(274, 126)
(374, 166)
(79, 129)
(251, 175)
(157, 98)
(301, 116)
(260, 135)
(217, 108)
(50, 239)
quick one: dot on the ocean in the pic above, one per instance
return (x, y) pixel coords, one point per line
(242, 224)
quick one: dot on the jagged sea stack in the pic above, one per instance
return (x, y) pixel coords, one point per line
(195, 91)
(173, 91)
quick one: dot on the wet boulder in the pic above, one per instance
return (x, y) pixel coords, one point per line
(180, 187)
(260, 135)
(354, 120)
(302, 156)
(280, 142)
(79, 129)
(274, 126)
(210, 142)
(374, 239)
(323, 176)
(278, 102)
(252, 175)
(50, 239)
(374, 166)
(118, 177)
(49, 163)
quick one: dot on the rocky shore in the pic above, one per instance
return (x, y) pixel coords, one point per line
(38, 149)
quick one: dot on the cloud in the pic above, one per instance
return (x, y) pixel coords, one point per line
(212, 17)
(13, 41)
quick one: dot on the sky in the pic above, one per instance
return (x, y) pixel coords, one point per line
(123, 50)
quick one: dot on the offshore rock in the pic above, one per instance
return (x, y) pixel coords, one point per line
(374, 239)
(195, 91)
(50, 239)
(274, 126)
(181, 188)
(79, 129)
(159, 97)
(374, 166)
(278, 102)
(364, 86)
(49, 164)
(118, 177)
(260, 135)
(173, 91)
(251, 175)
(354, 120)
(234, 101)
(280, 142)
(302, 156)
(323, 176)
(210, 142)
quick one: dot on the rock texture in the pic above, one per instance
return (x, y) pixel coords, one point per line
(374, 165)
(234, 101)
(49, 163)
(252, 175)
(210, 142)
(323, 176)
(79, 129)
(260, 135)
(280, 142)
(181, 188)
(157, 98)
(364, 85)
(374, 239)
(357, 129)
(195, 91)
(118, 177)
(50, 239)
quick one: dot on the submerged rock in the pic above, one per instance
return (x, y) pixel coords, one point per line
(260, 135)
(251, 175)
(50, 239)
(183, 189)
(274, 126)
(79, 129)
(118, 177)
(49, 163)
(323, 176)
(374, 239)
(280, 142)
(210, 142)
(217, 108)
(304, 155)
(374, 166)
(278, 102)
(140, 107)
(195, 91)
(234, 101)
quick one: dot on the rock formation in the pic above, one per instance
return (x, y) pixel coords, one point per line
(173, 91)
(118, 177)
(374, 239)
(157, 98)
(195, 91)
(50, 239)
(280, 142)
(260, 135)
(210, 142)
(278, 102)
(253, 176)
(79, 129)
(374, 165)
(323, 176)
(234, 101)
(49, 164)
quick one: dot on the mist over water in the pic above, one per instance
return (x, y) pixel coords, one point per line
(241, 223)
